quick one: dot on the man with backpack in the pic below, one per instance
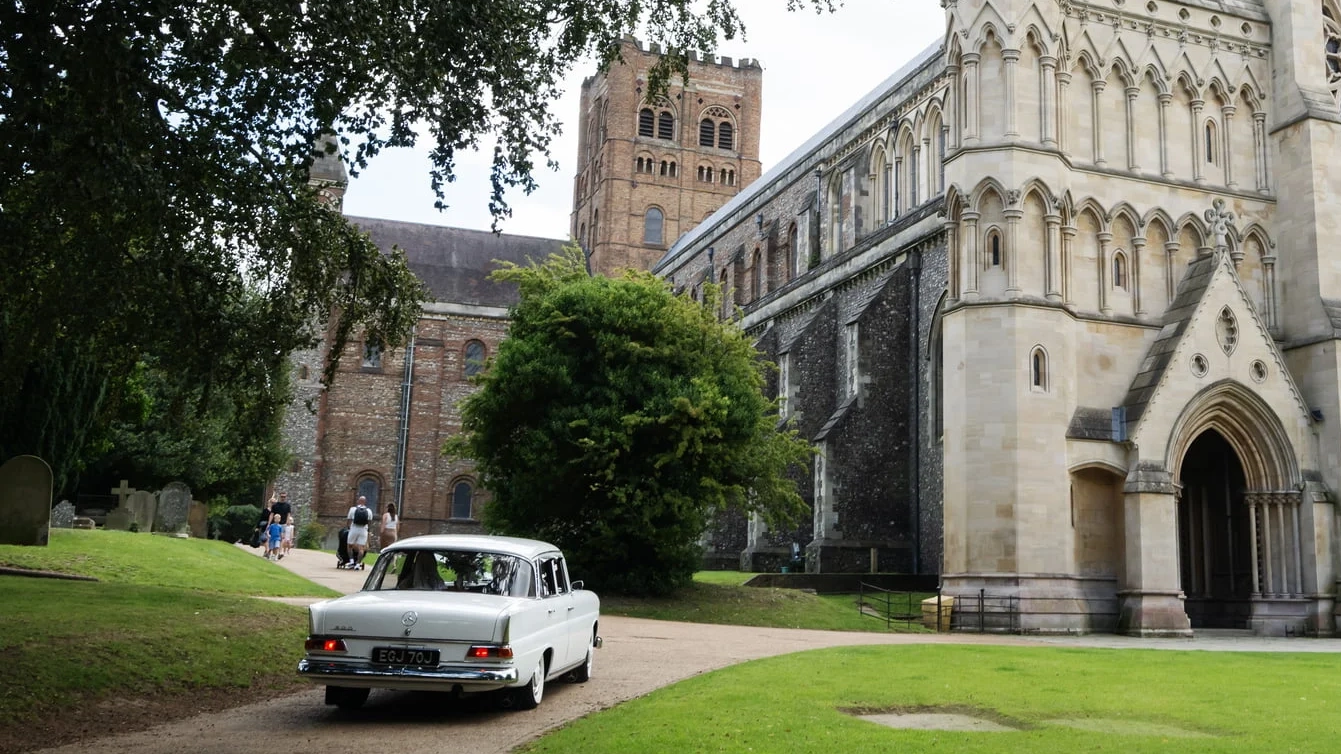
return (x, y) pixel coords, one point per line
(360, 515)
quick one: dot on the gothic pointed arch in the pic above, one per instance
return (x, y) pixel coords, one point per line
(1249, 425)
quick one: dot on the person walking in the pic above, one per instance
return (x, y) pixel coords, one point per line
(390, 526)
(282, 507)
(276, 535)
(286, 544)
(359, 517)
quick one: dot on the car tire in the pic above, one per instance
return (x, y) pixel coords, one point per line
(528, 696)
(582, 673)
(346, 698)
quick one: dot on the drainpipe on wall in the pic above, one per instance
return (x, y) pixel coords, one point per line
(915, 345)
(403, 438)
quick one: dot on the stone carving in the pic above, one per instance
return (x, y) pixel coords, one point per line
(83, 522)
(174, 505)
(1227, 331)
(1221, 221)
(25, 501)
(1331, 30)
(62, 516)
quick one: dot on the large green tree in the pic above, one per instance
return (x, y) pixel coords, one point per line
(616, 419)
(153, 166)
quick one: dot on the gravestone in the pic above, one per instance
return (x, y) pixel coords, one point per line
(142, 506)
(25, 501)
(119, 520)
(174, 505)
(199, 520)
(83, 522)
(62, 516)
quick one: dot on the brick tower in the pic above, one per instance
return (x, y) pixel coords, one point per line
(649, 170)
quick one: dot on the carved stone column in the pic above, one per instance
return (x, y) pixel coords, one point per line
(952, 107)
(1228, 112)
(1104, 240)
(1012, 58)
(1251, 501)
(1052, 257)
(1096, 133)
(1260, 142)
(1068, 241)
(972, 263)
(1170, 252)
(1048, 100)
(972, 102)
(1269, 291)
(1132, 93)
(1013, 249)
(1137, 251)
(1164, 100)
(1063, 137)
(953, 252)
(1197, 139)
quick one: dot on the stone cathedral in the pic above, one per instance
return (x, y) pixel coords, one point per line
(1060, 303)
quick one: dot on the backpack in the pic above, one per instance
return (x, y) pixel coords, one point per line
(361, 515)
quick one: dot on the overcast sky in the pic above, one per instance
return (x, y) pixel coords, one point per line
(815, 67)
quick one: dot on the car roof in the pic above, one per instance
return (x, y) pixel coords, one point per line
(525, 548)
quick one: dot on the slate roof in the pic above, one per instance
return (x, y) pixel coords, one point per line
(1089, 423)
(1176, 318)
(454, 262)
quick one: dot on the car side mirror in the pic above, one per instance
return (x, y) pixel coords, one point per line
(577, 585)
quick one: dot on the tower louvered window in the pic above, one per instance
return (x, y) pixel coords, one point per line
(707, 133)
(665, 125)
(645, 119)
(725, 136)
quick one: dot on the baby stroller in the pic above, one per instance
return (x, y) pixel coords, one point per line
(342, 550)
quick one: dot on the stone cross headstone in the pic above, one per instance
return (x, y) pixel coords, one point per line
(143, 506)
(62, 516)
(25, 501)
(122, 492)
(174, 505)
(198, 518)
(119, 520)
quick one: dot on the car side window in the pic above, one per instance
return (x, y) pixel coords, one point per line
(553, 579)
(561, 575)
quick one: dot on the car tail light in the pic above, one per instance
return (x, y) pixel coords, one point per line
(322, 644)
(485, 651)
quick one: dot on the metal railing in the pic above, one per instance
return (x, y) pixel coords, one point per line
(896, 607)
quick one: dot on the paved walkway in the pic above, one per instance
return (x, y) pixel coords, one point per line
(639, 656)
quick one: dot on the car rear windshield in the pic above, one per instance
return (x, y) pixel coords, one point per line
(453, 571)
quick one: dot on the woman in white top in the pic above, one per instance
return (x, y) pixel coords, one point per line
(390, 522)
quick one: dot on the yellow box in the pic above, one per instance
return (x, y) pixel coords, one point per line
(929, 612)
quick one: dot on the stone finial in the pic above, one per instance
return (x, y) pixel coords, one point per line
(1221, 221)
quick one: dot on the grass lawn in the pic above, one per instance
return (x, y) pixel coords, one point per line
(146, 560)
(1128, 701)
(166, 615)
(718, 597)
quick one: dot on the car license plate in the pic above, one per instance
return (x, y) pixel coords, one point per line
(404, 656)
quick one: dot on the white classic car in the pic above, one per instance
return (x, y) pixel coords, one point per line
(455, 613)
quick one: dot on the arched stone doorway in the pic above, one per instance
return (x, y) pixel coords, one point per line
(1215, 550)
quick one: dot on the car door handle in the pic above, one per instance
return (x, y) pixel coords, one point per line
(551, 611)
(570, 608)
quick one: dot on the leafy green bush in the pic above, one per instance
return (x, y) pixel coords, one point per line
(237, 523)
(311, 536)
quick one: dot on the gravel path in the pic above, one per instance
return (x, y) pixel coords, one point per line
(639, 656)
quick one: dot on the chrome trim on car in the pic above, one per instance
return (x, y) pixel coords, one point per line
(316, 669)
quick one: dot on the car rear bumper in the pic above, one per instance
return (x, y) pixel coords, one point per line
(365, 674)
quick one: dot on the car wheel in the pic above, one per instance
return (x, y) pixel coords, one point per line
(528, 696)
(583, 672)
(346, 698)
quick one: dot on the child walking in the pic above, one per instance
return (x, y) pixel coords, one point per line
(276, 534)
(287, 543)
